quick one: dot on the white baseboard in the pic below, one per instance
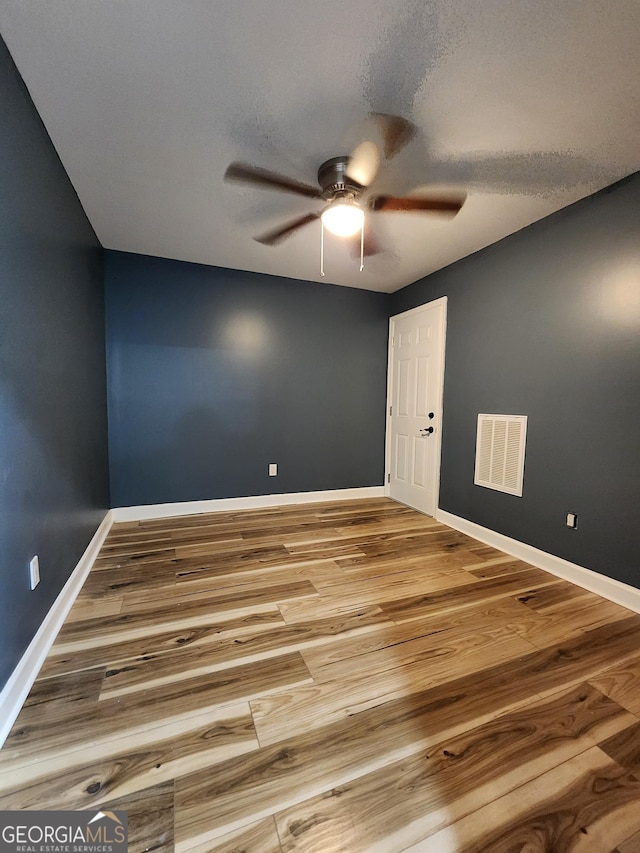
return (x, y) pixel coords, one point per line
(148, 511)
(616, 591)
(21, 679)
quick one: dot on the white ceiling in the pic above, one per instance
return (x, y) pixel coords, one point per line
(529, 105)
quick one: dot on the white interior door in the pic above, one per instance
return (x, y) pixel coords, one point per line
(414, 400)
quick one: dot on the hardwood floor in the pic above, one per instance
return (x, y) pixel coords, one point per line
(333, 678)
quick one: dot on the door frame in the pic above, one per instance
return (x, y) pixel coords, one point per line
(436, 303)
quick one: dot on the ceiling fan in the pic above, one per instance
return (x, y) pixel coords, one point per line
(344, 186)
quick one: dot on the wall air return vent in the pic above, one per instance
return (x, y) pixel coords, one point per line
(500, 444)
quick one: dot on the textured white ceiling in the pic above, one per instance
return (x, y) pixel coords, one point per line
(526, 105)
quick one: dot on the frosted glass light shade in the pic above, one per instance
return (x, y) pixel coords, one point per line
(343, 218)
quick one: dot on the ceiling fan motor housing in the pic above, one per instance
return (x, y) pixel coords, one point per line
(333, 179)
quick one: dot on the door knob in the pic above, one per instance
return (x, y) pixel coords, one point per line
(426, 431)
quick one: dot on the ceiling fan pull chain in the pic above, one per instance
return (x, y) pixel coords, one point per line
(322, 248)
(362, 246)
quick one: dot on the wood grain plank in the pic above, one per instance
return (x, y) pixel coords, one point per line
(233, 554)
(150, 708)
(158, 643)
(496, 568)
(387, 589)
(579, 617)
(622, 683)
(203, 588)
(391, 675)
(285, 571)
(440, 655)
(152, 555)
(80, 635)
(259, 837)
(583, 805)
(631, 845)
(435, 575)
(386, 537)
(538, 673)
(547, 597)
(187, 661)
(289, 771)
(624, 747)
(118, 581)
(466, 595)
(145, 540)
(505, 618)
(482, 551)
(51, 698)
(150, 819)
(321, 607)
(90, 608)
(401, 804)
(436, 539)
(361, 506)
(325, 550)
(206, 741)
(25, 779)
(434, 565)
(299, 767)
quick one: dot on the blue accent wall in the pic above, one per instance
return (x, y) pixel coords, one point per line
(53, 432)
(215, 373)
(546, 323)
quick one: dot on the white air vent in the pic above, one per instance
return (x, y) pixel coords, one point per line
(500, 452)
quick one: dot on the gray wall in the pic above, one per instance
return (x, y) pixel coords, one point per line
(53, 435)
(546, 323)
(215, 373)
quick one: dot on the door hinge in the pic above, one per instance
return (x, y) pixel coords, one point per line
(388, 478)
(390, 410)
(393, 340)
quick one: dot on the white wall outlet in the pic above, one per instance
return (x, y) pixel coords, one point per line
(34, 572)
(572, 520)
(273, 469)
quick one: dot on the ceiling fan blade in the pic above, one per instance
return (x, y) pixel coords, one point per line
(396, 132)
(445, 205)
(269, 180)
(272, 238)
(364, 163)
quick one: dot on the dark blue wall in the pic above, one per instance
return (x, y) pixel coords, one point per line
(53, 435)
(215, 373)
(546, 323)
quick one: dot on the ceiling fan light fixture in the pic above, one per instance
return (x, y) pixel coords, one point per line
(343, 218)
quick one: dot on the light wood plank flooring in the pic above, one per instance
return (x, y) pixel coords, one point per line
(333, 678)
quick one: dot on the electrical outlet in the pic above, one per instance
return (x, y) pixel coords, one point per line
(34, 572)
(273, 469)
(572, 520)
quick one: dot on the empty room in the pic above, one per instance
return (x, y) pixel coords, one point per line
(319, 417)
